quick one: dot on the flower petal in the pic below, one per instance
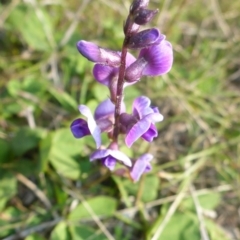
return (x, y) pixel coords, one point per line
(103, 153)
(154, 117)
(79, 128)
(150, 133)
(141, 107)
(141, 166)
(110, 162)
(99, 154)
(137, 131)
(104, 74)
(94, 129)
(97, 54)
(105, 109)
(159, 58)
(121, 157)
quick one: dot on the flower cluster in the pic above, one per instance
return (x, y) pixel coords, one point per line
(117, 70)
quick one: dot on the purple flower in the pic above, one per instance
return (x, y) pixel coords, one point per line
(107, 75)
(153, 61)
(97, 54)
(142, 165)
(109, 157)
(101, 122)
(141, 122)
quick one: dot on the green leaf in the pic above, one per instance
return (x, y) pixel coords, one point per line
(208, 201)
(26, 139)
(8, 188)
(181, 227)
(64, 141)
(150, 187)
(60, 232)
(102, 206)
(59, 148)
(34, 31)
(67, 102)
(13, 87)
(45, 149)
(34, 237)
(215, 231)
(4, 150)
(65, 165)
(83, 233)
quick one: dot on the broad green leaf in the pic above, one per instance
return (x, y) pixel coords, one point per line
(45, 150)
(64, 141)
(149, 187)
(34, 237)
(207, 201)
(102, 206)
(65, 165)
(8, 188)
(4, 151)
(59, 148)
(26, 139)
(215, 231)
(181, 227)
(13, 87)
(83, 233)
(60, 232)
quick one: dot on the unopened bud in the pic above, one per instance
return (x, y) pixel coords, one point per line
(137, 4)
(145, 39)
(134, 71)
(144, 16)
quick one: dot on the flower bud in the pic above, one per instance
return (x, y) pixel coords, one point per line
(134, 71)
(145, 38)
(137, 4)
(144, 16)
(130, 27)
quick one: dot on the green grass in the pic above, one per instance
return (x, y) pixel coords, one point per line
(48, 188)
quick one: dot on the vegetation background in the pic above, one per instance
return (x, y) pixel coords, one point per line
(48, 188)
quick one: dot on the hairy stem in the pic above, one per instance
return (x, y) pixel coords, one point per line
(119, 94)
(120, 83)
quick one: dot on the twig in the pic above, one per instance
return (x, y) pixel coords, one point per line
(34, 229)
(28, 114)
(219, 18)
(91, 212)
(74, 24)
(170, 212)
(203, 231)
(161, 201)
(40, 194)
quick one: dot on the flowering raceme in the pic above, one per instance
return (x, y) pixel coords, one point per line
(117, 70)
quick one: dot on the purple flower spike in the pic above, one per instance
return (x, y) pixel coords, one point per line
(109, 157)
(97, 54)
(145, 117)
(79, 128)
(142, 165)
(159, 58)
